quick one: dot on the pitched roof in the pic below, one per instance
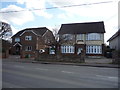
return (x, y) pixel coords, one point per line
(80, 28)
(38, 31)
(114, 36)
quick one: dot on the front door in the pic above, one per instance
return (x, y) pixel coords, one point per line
(18, 50)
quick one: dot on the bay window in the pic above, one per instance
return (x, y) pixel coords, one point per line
(67, 37)
(93, 36)
(94, 49)
(67, 49)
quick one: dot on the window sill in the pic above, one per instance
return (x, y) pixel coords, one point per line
(93, 40)
(93, 53)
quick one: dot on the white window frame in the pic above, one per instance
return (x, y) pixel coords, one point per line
(28, 38)
(17, 39)
(94, 49)
(67, 36)
(79, 37)
(67, 49)
(93, 36)
(51, 51)
(28, 48)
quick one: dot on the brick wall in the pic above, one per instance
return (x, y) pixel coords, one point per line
(59, 58)
(29, 54)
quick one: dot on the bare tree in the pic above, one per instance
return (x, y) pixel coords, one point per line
(56, 44)
(66, 38)
(5, 31)
(55, 33)
(60, 39)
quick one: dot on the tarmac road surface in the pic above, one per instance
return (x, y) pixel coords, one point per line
(33, 75)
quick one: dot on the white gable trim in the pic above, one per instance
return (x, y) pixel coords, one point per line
(28, 31)
(44, 33)
(17, 43)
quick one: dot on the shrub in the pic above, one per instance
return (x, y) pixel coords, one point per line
(27, 56)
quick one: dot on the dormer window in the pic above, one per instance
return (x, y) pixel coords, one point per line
(17, 39)
(28, 37)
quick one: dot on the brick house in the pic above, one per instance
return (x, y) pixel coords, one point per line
(77, 37)
(26, 42)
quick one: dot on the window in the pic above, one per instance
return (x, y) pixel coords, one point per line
(67, 49)
(52, 50)
(93, 49)
(93, 36)
(17, 39)
(28, 48)
(67, 37)
(28, 37)
(79, 37)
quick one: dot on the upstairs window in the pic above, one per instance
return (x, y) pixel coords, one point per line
(79, 37)
(28, 37)
(17, 39)
(67, 37)
(93, 36)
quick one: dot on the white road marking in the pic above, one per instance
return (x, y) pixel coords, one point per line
(108, 77)
(113, 78)
(67, 72)
(42, 69)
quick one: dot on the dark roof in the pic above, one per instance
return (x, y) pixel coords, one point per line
(115, 35)
(80, 28)
(38, 31)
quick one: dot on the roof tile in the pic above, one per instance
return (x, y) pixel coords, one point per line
(80, 28)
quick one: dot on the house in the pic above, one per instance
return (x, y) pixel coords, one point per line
(114, 41)
(77, 37)
(26, 42)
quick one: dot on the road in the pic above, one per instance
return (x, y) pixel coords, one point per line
(33, 75)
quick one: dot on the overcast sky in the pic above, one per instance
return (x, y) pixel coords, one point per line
(87, 11)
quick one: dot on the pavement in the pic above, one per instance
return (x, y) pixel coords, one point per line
(103, 62)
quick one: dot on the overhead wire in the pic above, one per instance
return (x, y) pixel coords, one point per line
(66, 6)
